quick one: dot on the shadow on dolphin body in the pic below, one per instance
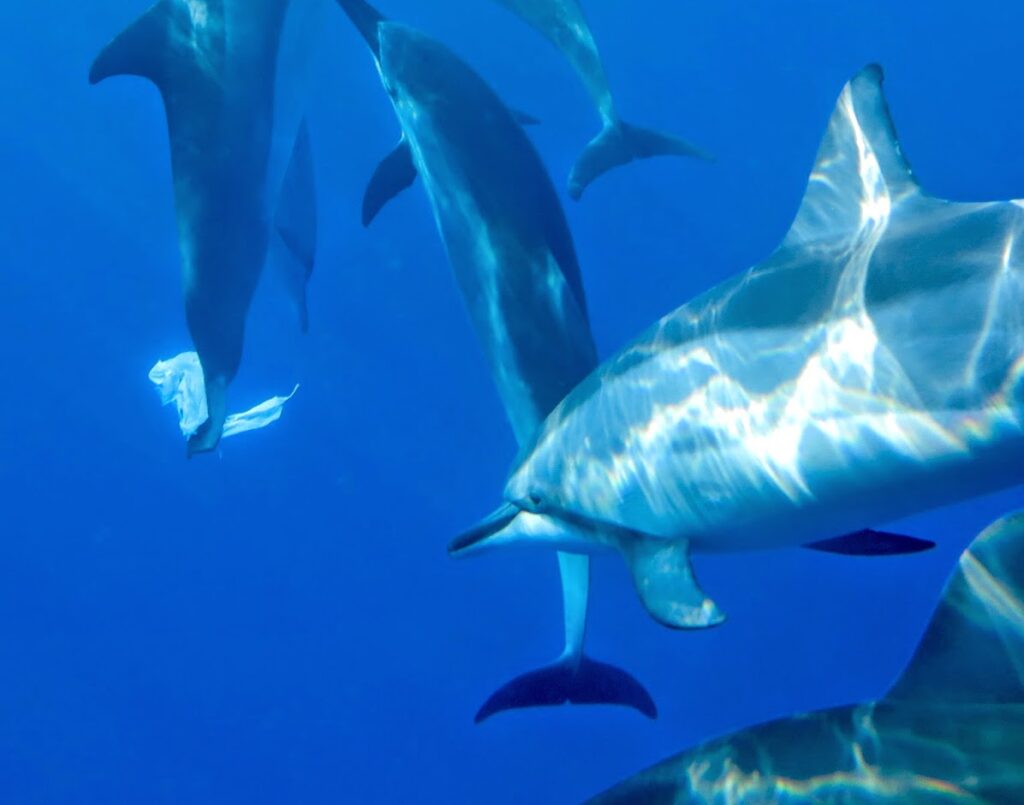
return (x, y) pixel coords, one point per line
(880, 346)
(514, 260)
(564, 25)
(216, 66)
(950, 729)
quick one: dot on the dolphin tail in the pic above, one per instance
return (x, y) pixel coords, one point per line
(973, 649)
(620, 143)
(207, 436)
(572, 680)
(395, 173)
(137, 50)
(295, 221)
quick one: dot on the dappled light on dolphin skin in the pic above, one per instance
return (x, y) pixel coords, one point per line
(950, 729)
(880, 344)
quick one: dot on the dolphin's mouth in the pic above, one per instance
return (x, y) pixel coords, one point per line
(487, 528)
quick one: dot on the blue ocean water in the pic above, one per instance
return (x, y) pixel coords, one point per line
(280, 622)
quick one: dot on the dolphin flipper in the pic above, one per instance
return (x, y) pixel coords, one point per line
(869, 542)
(395, 173)
(664, 580)
(620, 143)
(295, 220)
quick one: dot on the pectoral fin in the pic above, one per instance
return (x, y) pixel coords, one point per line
(664, 580)
(396, 172)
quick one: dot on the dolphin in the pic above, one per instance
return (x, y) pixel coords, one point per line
(950, 729)
(563, 23)
(880, 347)
(232, 132)
(514, 260)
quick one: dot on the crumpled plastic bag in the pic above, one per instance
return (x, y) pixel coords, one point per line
(180, 381)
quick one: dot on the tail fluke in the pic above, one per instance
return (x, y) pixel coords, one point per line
(570, 681)
(620, 143)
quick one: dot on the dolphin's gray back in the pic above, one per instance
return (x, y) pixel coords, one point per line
(501, 222)
(951, 729)
(881, 341)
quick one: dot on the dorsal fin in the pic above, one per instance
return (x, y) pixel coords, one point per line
(860, 172)
(973, 649)
(139, 48)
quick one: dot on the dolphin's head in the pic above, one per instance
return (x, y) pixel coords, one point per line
(414, 65)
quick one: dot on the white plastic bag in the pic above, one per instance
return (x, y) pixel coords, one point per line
(180, 380)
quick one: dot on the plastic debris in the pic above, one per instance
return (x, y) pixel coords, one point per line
(180, 381)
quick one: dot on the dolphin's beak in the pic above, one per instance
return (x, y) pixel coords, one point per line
(484, 532)
(366, 19)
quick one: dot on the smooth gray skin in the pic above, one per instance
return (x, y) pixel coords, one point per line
(881, 346)
(563, 23)
(950, 730)
(510, 248)
(215, 63)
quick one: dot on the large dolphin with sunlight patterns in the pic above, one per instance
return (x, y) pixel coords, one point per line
(880, 348)
(950, 730)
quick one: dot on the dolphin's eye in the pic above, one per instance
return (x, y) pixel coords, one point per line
(536, 499)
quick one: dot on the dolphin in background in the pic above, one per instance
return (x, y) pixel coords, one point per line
(563, 23)
(880, 347)
(232, 132)
(514, 260)
(950, 729)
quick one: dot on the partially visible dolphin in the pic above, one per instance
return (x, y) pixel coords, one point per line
(514, 260)
(231, 133)
(871, 368)
(950, 730)
(563, 23)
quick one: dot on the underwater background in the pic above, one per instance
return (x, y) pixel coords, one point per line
(280, 622)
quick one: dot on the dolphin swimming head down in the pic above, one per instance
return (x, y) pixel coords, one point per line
(882, 343)
(216, 66)
(513, 257)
